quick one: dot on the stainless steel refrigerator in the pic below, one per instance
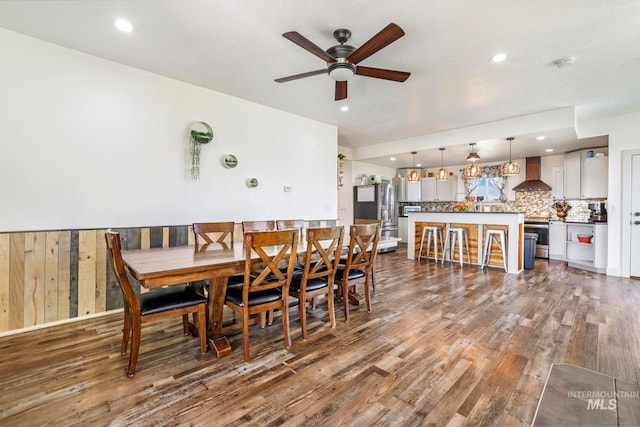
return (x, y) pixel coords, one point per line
(377, 202)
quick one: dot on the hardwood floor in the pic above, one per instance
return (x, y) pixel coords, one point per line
(443, 346)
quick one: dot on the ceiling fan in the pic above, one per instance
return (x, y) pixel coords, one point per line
(342, 59)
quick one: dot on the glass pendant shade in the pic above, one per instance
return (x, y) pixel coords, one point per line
(510, 168)
(442, 174)
(414, 175)
(472, 171)
(473, 156)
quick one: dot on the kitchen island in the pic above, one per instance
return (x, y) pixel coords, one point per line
(475, 222)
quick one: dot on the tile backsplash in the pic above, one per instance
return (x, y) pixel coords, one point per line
(531, 203)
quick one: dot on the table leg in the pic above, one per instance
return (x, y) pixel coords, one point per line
(217, 292)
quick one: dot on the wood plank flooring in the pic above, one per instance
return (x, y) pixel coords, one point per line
(444, 345)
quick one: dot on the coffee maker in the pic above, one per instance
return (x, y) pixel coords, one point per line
(598, 212)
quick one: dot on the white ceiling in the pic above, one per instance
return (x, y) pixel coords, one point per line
(236, 47)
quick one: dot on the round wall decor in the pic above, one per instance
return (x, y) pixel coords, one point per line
(230, 161)
(252, 183)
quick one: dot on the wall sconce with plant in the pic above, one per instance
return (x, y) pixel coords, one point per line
(199, 133)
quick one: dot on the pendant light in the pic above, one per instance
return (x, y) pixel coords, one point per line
(473, 156)
(472, 171)
(510, 168)
(414, 175)
(442, 174)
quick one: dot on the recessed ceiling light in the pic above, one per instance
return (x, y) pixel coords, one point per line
(344, 108)
(393, 159)
(123, 25)
(540, 138)
(418, 164)
(499, 57)
(549, 150)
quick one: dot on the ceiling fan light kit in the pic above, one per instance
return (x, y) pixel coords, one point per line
(442, 174)
(510, 168)
(342, 59)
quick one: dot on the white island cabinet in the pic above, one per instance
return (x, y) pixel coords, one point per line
(512, 222)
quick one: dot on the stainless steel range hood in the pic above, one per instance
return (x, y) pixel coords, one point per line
(533, 181)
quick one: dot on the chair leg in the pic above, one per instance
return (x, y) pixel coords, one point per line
(245, 334)
(460, 248)
(126, 330)
(367, 296)
(331, 308)
(185, 324)
(504, 251)
(202, 327)
(345, 301)
(135, 345)
(302, 306)
(263, 320)
(466, 240)
(285, 324)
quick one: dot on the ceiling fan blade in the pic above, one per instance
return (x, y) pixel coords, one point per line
(385, 37)
(341, 90)
(301, 75)
(301, 41)
(380, 73)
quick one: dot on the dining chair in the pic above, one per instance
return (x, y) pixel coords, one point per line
(207, 233)
(319, 269)
(157, 304)
(283, 224)
(266, 225)
(269, 288)
(213, 232)
(363, 245)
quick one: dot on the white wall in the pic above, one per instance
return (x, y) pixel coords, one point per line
(88, 143)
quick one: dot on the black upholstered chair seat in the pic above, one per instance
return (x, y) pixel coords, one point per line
(234, 295)
(170, 298)
(312, 284)
(353, 274)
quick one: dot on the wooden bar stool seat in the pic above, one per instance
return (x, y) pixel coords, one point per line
(459, 234)
(500, 237)
(435, 232)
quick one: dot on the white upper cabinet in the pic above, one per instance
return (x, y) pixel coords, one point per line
(572, 174)
(595, 172)
(557, 185)
(586, 174)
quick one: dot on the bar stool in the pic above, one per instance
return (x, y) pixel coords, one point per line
(459, 233)
(491, 236)
(430, 231)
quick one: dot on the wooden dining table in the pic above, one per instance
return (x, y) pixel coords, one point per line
(157, 267)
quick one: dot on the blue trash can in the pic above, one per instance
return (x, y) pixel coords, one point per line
(530, 240)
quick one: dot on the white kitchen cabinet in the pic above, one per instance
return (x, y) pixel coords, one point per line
(587, 256)
(413, 192)
(403, 229)
(557, 240)
(586, 177)
(438, 191)
(428, 189)
(572, 175)
(557, 184)
(595, 177)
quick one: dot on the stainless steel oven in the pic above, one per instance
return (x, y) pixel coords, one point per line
(542, 230)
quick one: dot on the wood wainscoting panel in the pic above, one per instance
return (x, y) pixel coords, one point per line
(48, 276)
(5, 250)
